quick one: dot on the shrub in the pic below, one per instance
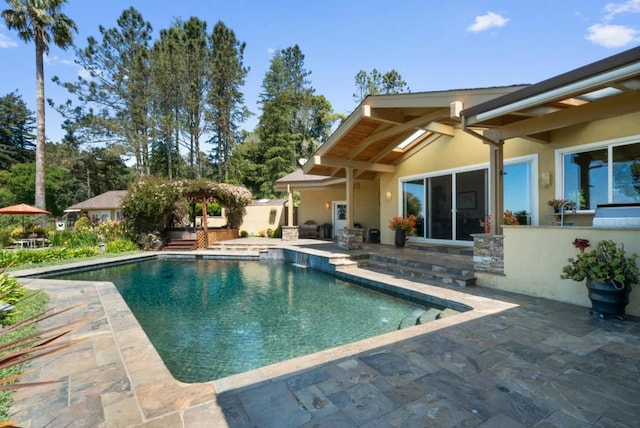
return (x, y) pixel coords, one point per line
(149, 204)
(244, 234)
(277, 233)
(120, 245)
(82, 223)
(10, 289)
(5, 237)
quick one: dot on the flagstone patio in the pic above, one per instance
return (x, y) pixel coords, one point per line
(512, 361)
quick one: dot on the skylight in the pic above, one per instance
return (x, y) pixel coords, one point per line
(600, 93)
(410, 139)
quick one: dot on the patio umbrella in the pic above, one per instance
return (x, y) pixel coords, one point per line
(23, 209)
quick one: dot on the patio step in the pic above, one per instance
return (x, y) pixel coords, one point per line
(442, 249)
(181, 245)
(421, 271)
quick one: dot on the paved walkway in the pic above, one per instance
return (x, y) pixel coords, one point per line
(513, 361)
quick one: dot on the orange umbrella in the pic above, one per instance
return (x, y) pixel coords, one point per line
(23, 209)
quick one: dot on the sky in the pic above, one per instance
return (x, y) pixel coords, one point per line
(442, 45)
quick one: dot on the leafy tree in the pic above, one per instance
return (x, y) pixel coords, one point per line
(294, 120)
(167, 83)
(17, 186)
(196, 62)
(16, 131)
(375, 83)
(225, 97)
(119, 87)
(40, 21)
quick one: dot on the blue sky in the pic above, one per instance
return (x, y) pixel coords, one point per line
(433, 45)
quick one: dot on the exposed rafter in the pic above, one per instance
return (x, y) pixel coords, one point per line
(345, 163)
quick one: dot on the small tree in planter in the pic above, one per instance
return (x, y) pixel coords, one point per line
(609, 274)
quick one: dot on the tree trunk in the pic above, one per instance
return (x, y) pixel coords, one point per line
(40, 136)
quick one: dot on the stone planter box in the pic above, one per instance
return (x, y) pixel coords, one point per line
(488, 253)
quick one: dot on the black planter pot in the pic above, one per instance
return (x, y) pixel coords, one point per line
(401, 238)
(606, 299)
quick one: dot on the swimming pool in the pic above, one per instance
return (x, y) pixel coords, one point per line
(213, 318)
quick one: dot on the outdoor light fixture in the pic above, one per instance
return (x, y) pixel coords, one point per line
(327, 205)
(388, 195)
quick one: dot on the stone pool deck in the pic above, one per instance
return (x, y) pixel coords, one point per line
(513, 361)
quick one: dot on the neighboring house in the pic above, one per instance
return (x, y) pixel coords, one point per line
(103, 207)
(455, 158)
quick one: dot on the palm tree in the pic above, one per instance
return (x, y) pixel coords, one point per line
(40, 21)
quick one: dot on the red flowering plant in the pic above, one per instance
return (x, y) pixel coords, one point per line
(407, 224)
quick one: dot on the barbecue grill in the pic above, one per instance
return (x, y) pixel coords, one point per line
(617, 215)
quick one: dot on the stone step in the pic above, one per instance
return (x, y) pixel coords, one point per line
(181, 245)
(446, 249)
(434, 275)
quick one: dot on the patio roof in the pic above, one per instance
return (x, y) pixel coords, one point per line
(298, 179)
(606, 88)
(384, 130)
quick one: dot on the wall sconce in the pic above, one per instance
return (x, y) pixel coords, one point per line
(388, 195)
(327, 205)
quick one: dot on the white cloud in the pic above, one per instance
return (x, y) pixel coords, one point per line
(6, 42)
(611, 36)
(84, 74)
(271, 51)
(613, 9)
(487, 21)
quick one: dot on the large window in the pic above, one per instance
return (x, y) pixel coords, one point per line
(600, 174)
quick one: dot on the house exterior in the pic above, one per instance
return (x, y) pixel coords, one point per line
(456, 158)
(106, 206)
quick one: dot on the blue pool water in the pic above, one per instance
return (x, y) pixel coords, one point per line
(212, 318)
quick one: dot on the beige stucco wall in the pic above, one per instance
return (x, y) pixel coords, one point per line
(534, 257)
(313, 203)
(463, 150)
(259, 218)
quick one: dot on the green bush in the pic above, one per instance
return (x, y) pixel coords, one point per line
(277, 233)
(82, 223)
(48, 255)
(244, 234)
(10, 289)
(120, 246)
(5, 237)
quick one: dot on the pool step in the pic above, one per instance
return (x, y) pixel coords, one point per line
(421, 271)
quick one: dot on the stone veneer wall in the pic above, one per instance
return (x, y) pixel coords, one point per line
(350, 239)
(488, 253)
(289, 233)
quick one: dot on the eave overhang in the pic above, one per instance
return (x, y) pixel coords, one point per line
(606, 88)
(386, 129)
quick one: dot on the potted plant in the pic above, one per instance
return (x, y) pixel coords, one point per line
(404, 227)
(559, 204)
(609, 274)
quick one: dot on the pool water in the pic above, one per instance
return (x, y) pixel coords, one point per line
(213, 318)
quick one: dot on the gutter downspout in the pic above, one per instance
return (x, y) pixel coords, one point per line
(496, 168)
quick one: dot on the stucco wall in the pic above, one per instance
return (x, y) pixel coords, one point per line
(463, 150)
(534, 257)
(313, 203)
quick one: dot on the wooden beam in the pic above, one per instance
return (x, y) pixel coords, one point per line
(601, 109)
(440, 128)
(429, 138)
(345, 163)
(412, 124)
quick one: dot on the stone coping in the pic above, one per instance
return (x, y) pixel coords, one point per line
(111, 329)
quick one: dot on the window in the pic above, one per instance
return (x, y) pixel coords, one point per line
(600, 174)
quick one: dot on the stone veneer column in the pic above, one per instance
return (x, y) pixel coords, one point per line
(350, 239)
(488, 253)
(289, 233)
